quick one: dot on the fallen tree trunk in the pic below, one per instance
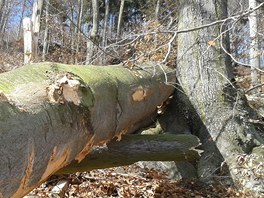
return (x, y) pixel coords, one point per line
(134, 148)
(51, 114)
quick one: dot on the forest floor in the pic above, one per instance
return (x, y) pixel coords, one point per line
(131, 181)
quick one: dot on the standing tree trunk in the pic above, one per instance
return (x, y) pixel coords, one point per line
(27, 33)
(2, 3)
(254, 46)
(219, 113)
(5, 15)
(157, 10)
(120, 18)
(46, 33)
(36, 14)
(21, 19)
(93, 39)
(79, 23)
(106, 19)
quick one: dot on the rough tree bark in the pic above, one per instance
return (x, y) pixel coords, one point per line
(222, 120)
(223, 123)
(51, 114)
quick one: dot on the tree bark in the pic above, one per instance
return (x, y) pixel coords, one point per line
(93, 39)
(120, 18)
(134, 148)
(21, 20)
(157, 10)
(36, 14)
(79, 23)
(52, 114)
(218, 113)
(254, 46)
(46, 32)
(104, 39)
(27, 34)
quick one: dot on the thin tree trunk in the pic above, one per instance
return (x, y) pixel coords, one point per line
(93, 39)
(157, 10)
(106, 19)
(46, 33)
(27, 33)
(2, 4)
(5, 16)
(254, 46)
(120, 18)
(36, 14)
(21, 19)
(72, 30)
(219, 113)
(79, 23)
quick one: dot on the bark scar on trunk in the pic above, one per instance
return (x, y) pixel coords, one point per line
(58, 159)
(86, 149)
(141, 94)
(65, 89)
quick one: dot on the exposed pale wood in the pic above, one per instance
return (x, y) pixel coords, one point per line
(27, 32)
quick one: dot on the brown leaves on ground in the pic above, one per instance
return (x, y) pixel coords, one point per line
(132, 181)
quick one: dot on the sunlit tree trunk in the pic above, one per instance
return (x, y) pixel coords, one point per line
(219, 114)
(157, 10)
(21, 19)
(120, 18)
(27, 34)
(36, 14)
(5, 15)
(106, 19)
(93, 39)
(46, 33)
(79, 23)
(254, 46)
